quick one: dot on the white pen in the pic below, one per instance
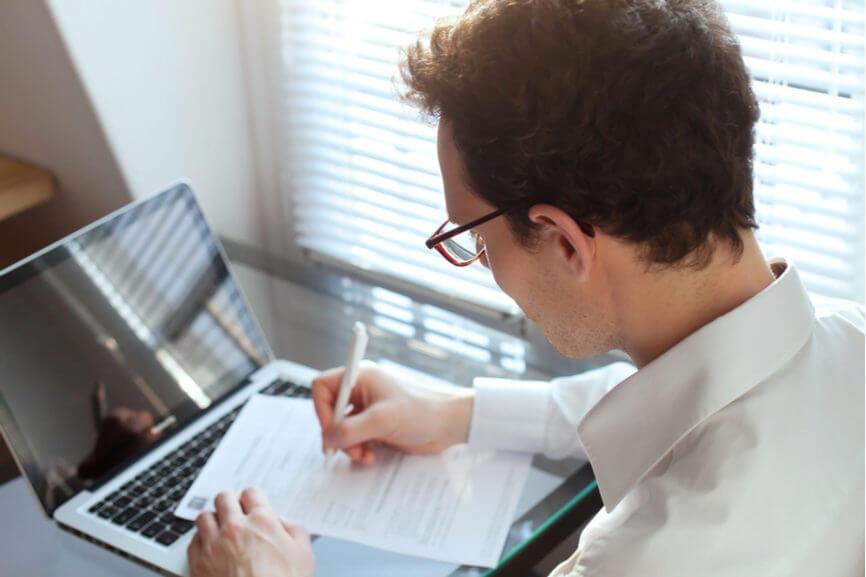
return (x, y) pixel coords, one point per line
(353, 363)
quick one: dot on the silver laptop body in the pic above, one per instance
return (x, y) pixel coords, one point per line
(128, 349)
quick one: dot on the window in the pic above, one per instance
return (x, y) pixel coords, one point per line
(363, 179)
(366, 188)
(806, 59)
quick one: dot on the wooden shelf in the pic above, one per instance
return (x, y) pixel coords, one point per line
(22, 186)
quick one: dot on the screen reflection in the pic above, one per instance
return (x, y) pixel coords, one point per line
(114, 338)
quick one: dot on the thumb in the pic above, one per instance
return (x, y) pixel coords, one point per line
(368, 425)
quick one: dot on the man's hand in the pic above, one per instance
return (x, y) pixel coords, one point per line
(411, 417)
(246, 538)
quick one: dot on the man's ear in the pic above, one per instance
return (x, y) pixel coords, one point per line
(568, 241)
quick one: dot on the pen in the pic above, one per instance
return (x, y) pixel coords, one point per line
(350, 375)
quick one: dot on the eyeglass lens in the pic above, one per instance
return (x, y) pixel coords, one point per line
(465, 246)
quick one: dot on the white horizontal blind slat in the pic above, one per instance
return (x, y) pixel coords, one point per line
(806, 59)
(365, 183)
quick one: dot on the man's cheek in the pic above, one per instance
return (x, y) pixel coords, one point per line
(506, 277)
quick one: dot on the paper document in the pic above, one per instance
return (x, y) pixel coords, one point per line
(456, 506)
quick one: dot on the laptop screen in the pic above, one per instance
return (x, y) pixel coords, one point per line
(116, 336)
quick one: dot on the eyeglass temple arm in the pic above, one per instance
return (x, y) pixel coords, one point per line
(438, 237)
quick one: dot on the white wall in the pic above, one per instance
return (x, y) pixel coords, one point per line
(47, 119)
(167, 81)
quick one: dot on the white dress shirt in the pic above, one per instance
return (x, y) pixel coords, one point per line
(738, 452)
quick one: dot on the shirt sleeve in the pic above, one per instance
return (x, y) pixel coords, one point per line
(539, 416)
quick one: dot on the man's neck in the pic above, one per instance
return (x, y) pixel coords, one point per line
(669, 305)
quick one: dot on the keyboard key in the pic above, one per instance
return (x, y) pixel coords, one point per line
(181, 525)
(141, 521)
(121, 501)
(96, 507)
(167, 537)
(107, 512)
(168, 518)
(162, 506)
(172, 481)
(153, 529)
(136, 491)
(124, 516)
(143, 503)
(191, 454)
(149, 481)
(159, 491)
(176, 495)
(183, 473)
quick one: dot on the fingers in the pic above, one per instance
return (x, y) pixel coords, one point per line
(363, 453)
(194, 553)
(324, 392)
(368, 425)
(254, 498)
(228, 509)
(296, 531)
(325, 389)
(355, 453)
(206, 525)
(367, 456)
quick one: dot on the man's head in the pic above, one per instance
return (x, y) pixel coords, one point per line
(634, 116)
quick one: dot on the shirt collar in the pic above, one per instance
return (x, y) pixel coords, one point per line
(638, 422)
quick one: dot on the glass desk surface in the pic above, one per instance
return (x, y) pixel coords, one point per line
(313, 327)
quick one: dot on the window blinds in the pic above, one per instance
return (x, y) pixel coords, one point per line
(362, 177)
(362, 169)
(806, 59)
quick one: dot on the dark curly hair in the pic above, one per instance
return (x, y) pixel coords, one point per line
(635, 116)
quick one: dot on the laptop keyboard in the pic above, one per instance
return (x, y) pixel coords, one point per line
(145, 505)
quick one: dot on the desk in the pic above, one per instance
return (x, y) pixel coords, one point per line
(312, 326)
(22, 186)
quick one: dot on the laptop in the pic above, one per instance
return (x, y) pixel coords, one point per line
(128, 349)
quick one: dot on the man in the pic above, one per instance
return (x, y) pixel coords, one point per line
(600, 153)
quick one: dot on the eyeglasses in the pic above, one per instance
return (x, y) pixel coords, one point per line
(461, 246)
